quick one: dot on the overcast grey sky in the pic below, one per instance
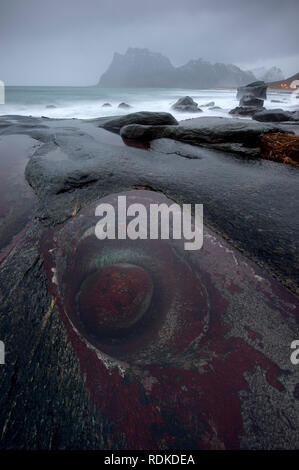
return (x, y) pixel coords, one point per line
(71, 42)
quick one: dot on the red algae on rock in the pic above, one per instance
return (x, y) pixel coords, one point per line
(177, 347)
(114, 298)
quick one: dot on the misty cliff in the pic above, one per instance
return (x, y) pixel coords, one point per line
(143, 68)
(272, 74)
(138, 68)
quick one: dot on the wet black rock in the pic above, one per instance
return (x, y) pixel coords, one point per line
(51, 106)
(186, 104)
(106, 105)
(242, 137)
(248, 100)
(253, 205)
(124, 106)
(245, 110)
(275, 115)
(251, 99)
(114, 124)
(142, 133)
(256, 90)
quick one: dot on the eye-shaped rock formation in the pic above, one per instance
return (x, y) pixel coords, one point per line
(167, 336)
(121, 344)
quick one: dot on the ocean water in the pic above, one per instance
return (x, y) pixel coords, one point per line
(86, 102)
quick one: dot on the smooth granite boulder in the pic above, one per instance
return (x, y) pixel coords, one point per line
(245, 110)
(248, 100)
(114, 124)
(275, 115)
(251, 99)
(208, 105)
(237, 136)
(255, 89)
(124, 106)
(186, 104)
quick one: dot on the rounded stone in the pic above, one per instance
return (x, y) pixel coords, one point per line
(114, 299)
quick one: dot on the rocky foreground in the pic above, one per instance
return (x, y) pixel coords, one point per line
(208, 365)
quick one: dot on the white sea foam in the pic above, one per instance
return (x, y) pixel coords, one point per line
(86, 103)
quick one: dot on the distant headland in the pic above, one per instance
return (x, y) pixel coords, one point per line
(143, 68)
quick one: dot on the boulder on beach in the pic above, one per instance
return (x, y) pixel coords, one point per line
(248, 100)
(275, 115)
(208, 105)
(186, 104)
(251, 99)
(255, 89)
(106, 105)
(114, 124)
(133, 134)
(245, 110)
(242, 137)
(124, 106)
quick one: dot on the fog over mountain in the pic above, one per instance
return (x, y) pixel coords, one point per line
(269, 75)
(71, 42)
(143, 68)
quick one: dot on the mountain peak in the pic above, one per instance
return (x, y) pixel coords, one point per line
(268, 75)
(140, 67)
(137, 50)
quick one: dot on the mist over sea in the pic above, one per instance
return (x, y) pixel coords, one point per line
(86, 102)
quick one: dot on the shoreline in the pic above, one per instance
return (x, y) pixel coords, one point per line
(220, 224)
